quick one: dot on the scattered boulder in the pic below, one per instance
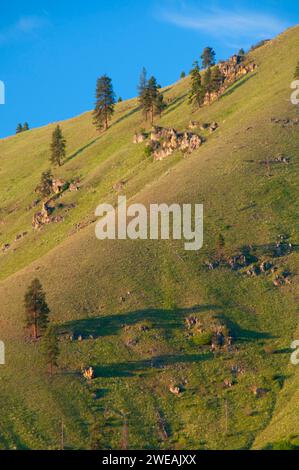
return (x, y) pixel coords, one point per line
(175, 390)
(88, 373)
(193, 125)
(228, 383)
(139, 137)
(58, 185)
(213, 127)
(73, 187)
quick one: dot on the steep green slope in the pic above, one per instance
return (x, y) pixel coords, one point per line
(132, 297)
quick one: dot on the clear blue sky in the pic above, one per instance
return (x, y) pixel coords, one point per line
(51, 51)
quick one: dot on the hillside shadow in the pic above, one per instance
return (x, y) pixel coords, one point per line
(131, 368)
(81, 149)
(236, 85)
(111, 325)
(174, 104)
(127, 115)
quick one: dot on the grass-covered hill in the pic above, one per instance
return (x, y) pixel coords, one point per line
(129, 299)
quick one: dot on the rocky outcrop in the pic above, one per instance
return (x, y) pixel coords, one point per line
(164, 141)
(232, 70)
(43, 217)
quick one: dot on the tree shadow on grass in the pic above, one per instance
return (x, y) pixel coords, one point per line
(81, 149)
(131, 368)
(111, 325)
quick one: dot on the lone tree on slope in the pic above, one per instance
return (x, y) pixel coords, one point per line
(208, 57)
(19, 129)
(36, 308)
(51, 348)
(105, 101)
(26, 127)
(197, 92)
(44, 188)
(58, 146)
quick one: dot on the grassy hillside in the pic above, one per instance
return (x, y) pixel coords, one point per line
(132, 297)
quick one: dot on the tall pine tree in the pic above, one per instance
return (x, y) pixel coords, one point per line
(58, 147)
(51, 348)
(208, 57)
(197, 92)
(36, 308)
(26, 127)
(105, 101)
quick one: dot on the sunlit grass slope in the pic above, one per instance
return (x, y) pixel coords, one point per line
(129, 299)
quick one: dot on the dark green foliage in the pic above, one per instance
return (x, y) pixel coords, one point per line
(151, 100)
(183, 74)
(50, 347)
(58, 146)
(120, 99)
(36, 308)
(207, 82)
(19, 129)
(296, 75)
(217, 79)
(197, 92)
(208, 57)
(105, 101)
(44, 188)
(241, 54)
(26, 127)
(148, 151)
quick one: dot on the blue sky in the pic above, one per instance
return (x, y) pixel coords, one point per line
(51, 51)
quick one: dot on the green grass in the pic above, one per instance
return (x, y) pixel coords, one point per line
(141, 345)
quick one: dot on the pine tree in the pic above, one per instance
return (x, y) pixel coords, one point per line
(197, 93)
(296, 76)
(241, 54)
(19, 129)
(120, 100)
(207, 82)
(183, 74)
(26, 127)
(217, 79)
(36, 308)
(151, 100)
(208, 57)
(105, 101)
(58, 146)
(155, 98)
(44, 188)
(51, 348)
(142, 82)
